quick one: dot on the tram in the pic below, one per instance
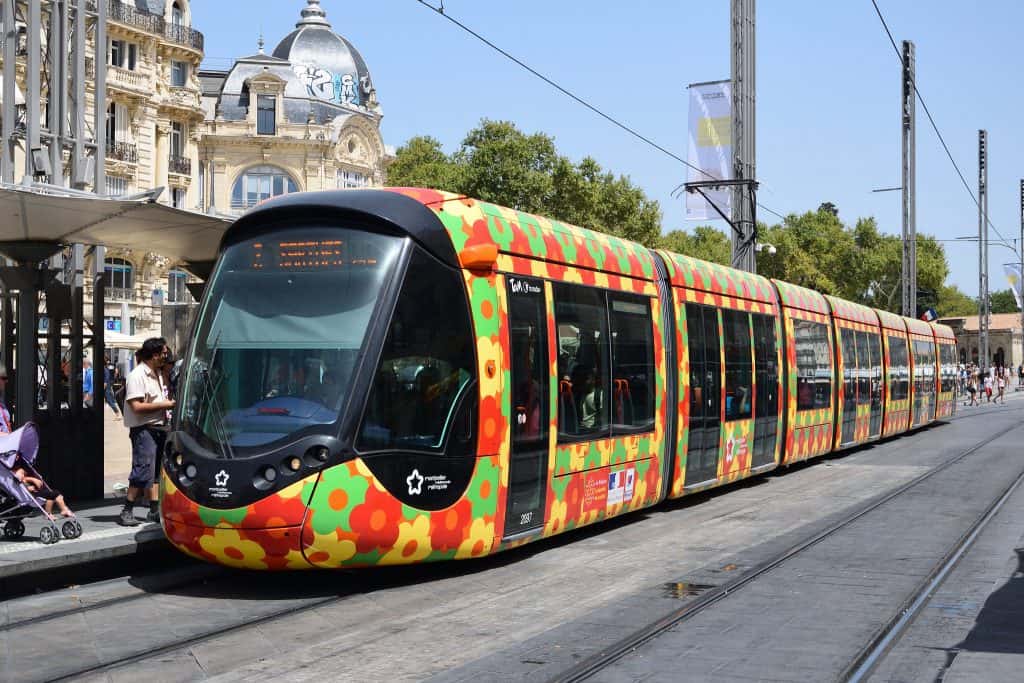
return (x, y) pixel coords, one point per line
(406, 375)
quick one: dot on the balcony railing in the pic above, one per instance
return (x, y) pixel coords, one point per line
(129, 79)
(179, 165)
(117, 294)
(154, 23)
(123, 151)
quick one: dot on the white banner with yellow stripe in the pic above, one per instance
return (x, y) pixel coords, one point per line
(710, 147)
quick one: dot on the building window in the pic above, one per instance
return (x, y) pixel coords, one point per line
(266, 110)
(350, 179)
(258, 184)
(116, 185)
(178, 197)
(177, 16)
(177, 138)
(118, 278)
(179, 74)
(123, 54)
(177, 292)
(112, 123)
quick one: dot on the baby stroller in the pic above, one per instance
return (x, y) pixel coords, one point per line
(18, 451)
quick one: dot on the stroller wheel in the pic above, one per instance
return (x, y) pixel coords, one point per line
(71, 529)
(48, 535)
(14, 529)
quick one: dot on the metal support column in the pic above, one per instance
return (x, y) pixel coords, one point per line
(10, 50)
(743, 134)
(100, 103)
(909, 106)
(99, 293)
(56, 100)
(983, 358)
(33, 146)
(25, 364)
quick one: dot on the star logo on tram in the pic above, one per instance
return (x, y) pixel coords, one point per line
(415, 482)
(221, 478)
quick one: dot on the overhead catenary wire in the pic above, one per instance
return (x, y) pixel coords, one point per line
(568, 93)
(931, 120)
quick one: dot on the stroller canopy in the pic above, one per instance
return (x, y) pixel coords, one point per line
(23, 441)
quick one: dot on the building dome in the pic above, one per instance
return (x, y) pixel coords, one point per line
(327, 67)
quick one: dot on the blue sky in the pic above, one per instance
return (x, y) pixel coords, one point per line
(828, 87)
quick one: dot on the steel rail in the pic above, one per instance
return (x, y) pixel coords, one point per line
(608, 656)
(872, 654)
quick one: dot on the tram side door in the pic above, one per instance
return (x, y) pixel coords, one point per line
(705, 385)
(528, 461)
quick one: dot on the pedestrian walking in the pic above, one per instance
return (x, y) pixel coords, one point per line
(145, 414)
(109, 375)
(1001, 385)
(988, 386)
(972, 391)
(87, 382)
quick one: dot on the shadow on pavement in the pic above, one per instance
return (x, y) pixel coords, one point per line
(1000, 624)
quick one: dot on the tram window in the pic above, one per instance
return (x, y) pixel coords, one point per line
(848, 340)
(581, 318)
(426, 365)
(947, 356)
(813, 365)
(899, 368)
(924, 367)
(738, 365)
(863, 370)
(633, 370)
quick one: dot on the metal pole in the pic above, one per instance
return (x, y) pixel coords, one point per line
(1020, 274)
(27, 358)
(743, 138)
(56, 48)
(77, 106)
(983, 359)
(32, 94)
(909, 106)
(10, 83)
(100, 101)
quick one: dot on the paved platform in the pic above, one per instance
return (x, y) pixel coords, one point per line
(102, 539)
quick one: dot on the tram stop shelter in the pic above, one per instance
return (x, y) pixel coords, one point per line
(37, 222)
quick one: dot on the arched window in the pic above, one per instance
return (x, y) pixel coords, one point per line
(118, 278)
(177, 16)
(260, 183)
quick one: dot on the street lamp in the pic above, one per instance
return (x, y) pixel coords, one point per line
(765, 246)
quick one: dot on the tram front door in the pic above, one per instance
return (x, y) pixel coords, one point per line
(528, 464)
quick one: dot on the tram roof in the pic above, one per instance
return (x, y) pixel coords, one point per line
(795, 296)
(920, 327)
(686, 271)
(943, 331)
(848, 310)
(891, 320)
(471, 222)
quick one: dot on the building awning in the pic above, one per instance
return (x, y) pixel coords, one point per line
(44, 215)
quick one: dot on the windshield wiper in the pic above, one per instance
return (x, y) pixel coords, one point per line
(209, 398)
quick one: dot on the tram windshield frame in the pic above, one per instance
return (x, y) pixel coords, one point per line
(277, 351)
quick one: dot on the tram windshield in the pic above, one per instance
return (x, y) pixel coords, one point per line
(284, 319)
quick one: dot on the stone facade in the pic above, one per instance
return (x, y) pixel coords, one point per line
(1004, 338)
(303, 118)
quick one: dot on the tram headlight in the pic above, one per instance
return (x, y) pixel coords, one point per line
(178, 459)
(191, 471)
(294, 464)
(317, 455)
(269, 473)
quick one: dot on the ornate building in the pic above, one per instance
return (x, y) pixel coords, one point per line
(305, 117)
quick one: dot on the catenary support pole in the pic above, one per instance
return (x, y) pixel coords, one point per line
(909, 106)
(743, 134)
(983, 357)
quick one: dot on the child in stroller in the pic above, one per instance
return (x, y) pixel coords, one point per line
(23, 493)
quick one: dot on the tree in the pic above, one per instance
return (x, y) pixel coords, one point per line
(1002, 301)
(498, 163)
(953, 303)
(422, 163)
(705, 243)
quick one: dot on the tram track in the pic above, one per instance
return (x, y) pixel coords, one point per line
(882, 640)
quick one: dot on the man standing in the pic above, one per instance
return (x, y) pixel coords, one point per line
(87, 382)
(145, 411)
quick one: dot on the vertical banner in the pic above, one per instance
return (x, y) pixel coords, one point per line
(710, 147)
(1013, 274)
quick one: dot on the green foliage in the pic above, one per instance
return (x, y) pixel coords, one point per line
(953, 303)
(499, 163)
(705, 243)
(1002, 301)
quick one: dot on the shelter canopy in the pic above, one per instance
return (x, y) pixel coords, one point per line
(31, 214)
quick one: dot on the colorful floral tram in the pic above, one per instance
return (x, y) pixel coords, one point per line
(405, 375)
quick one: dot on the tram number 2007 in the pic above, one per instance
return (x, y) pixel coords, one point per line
(525, 518)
